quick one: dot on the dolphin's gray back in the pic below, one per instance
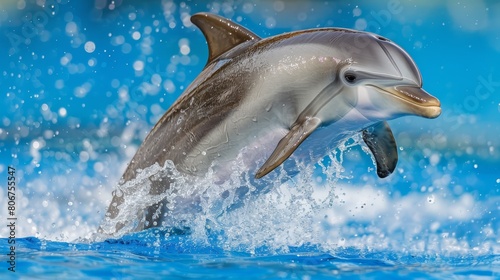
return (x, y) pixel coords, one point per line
(181, 128)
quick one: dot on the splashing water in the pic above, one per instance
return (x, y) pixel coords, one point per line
(199, 203)
(318, 207)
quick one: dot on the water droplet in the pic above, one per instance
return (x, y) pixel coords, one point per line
(269, 106)
(254, 119)
(498, 181)
(136, 35)
(475, 166)
(118, 192)
(89, 47)
(431, 199)
(45, 203)
(204, 153)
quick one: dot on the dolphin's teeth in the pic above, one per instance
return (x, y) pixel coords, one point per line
(418, 95)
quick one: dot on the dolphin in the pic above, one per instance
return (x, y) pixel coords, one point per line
(276, 101)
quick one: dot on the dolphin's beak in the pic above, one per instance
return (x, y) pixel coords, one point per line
(417, 100)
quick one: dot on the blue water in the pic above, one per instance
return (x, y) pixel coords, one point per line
(135, 257)
(83, 82)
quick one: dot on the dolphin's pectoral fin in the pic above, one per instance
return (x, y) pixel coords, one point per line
(380, 140)
(288, 145)
(221, 33)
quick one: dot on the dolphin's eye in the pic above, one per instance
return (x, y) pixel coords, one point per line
(350, 78)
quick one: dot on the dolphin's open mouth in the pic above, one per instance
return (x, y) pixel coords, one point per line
(420, 102)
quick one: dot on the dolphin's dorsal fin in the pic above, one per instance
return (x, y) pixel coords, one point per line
(380, 140)
(221, 34)
(297, 134)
